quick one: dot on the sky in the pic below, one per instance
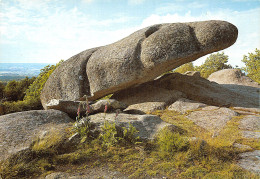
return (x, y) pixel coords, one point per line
(46, 31)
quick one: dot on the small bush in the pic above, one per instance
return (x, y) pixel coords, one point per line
(130, 134)
(169, 142)
(18, 106)
(199, 149)
(110, 134)
(86, 129)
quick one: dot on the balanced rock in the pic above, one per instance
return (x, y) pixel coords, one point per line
(18, 130)
(138, 58)
(69, 80)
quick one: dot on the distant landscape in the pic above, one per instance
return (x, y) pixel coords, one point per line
(17, 71)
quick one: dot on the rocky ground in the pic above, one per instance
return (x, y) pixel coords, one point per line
(215, 111)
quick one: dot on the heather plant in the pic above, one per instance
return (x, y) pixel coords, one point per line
(83, 125)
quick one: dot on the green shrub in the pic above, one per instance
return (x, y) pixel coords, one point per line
(215, 62)
(15, 90)
(26, 91)
(169, 142)
(18, 106)
(252, 62)
(34, 90)
(130, 134)
(86, 129)
(199, 149)
(184, 68)
(109, 134)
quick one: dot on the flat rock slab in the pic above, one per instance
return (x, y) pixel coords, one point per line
(18, 130)
(183, 105)
(147, 107)
(247, 111)
(250, 161)
(250, 126)
(212, 118)
(147, 125)
(250, 123)
(72, 107)
(251, 134)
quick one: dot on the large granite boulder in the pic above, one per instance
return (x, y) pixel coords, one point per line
(69, 80)
(235, 80)
(138, 58)
(18, 130)
(184, 105)
(232, 76)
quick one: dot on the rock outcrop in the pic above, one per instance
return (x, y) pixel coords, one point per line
(235, 80)
(232, 76)
(184, 105)
(250, 126)
(212, 118)
(250, 161)
(138, 58)
(69, 81)
(192, 87)
(147, 125)
(211, 93)
(18, 130)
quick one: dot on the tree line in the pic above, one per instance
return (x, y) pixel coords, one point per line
(25, 94)
(219, 61)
